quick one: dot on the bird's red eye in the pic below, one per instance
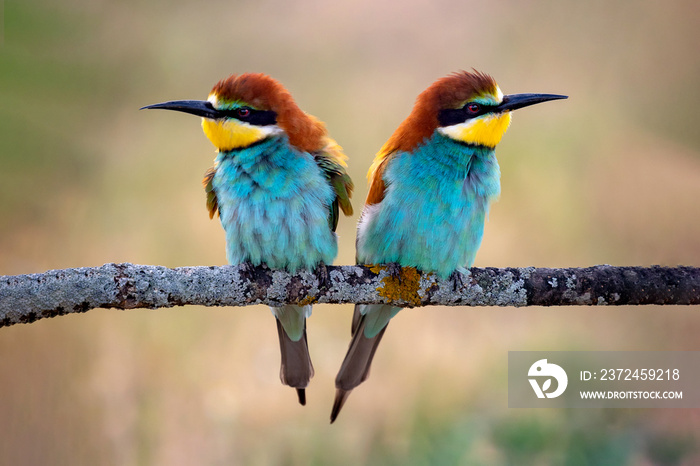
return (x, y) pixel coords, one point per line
(473, 108)
(243, 112)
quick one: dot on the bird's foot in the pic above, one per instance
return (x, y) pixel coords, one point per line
(394, 270)
(247, 270)
(457, 278)
(321, 272)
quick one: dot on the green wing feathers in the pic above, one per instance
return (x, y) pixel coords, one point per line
(212, 201)
(332, 161)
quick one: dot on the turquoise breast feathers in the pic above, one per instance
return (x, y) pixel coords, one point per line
(274, 205)
(435, 204)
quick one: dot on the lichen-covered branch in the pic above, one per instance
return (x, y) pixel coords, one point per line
(26, 298)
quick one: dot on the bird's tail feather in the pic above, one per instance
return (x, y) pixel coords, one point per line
(355, 367)
(296, 369)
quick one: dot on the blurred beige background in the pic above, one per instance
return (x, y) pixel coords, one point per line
(611, 175)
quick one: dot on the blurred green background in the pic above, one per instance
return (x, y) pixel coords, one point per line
(611, 175)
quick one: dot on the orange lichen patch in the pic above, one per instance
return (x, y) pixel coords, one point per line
(404, 288)
(308, 300)
(305, 131)
(449, 92)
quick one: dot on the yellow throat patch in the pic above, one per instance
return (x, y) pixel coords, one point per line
(229, 134)
(485, 130)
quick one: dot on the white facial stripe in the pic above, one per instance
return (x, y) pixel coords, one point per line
(499, 94)
(267, 130)
(455, 131)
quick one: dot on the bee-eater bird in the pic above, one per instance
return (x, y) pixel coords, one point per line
(277, 183)
(430, 189)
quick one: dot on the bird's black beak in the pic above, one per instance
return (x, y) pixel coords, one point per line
(516, 101)
(200, 108)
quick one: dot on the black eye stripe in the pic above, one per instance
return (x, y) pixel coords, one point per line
(455, 116)
(451, 116)
(254, 117)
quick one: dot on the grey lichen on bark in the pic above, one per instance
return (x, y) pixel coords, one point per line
(27, 298)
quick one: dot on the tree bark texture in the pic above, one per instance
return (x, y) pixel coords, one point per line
(27, 298)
